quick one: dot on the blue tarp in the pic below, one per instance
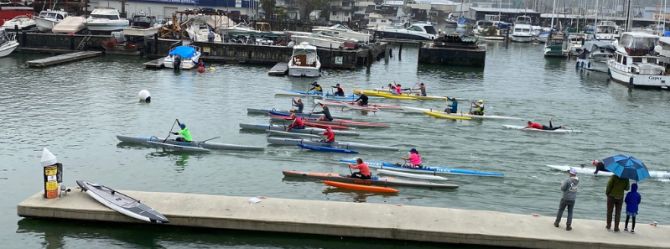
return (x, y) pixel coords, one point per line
(666, 33)
(183, 51)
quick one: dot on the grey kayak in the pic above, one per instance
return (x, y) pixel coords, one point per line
(121, 203)
(337, 144)
(273, 127)
(292, 134)
(267, 112)
(194, 146)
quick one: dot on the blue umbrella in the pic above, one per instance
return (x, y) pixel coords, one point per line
(627, 167)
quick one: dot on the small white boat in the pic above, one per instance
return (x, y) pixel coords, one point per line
(341, 31)
(22, 22)
(142, 25)
(416, 31)
(70, 25)
(47, 19)
(199, 31)
(304, 61)
(8, 43)
(522, 31)
(596, 54)
(106, 20)
(186, 56)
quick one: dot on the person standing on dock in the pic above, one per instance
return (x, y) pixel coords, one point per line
(453, 107)
(569, 188)
(615, 189)
(184, 133)
(297, 102)
(363, 170)
(339, 91)
(633, 200)
(326, 113)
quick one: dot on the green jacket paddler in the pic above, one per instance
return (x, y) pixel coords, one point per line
(184, 133)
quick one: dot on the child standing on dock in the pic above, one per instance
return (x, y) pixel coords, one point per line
(633, 199)
(569, 188)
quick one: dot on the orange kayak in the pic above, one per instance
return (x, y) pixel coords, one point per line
(359, 187)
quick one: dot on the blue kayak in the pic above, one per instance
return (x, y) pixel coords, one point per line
(426, 169)
(326, 149)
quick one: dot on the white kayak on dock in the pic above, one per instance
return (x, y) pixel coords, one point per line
(121, 203)
(418, 110)
(524, 128)
(410, 175)
(590, 170)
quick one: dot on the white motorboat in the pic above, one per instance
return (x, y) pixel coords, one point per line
(8, 42)
(106, 20)
(142, 25)
(595, 56)
(416, 31)
(575, 43)
(70, 25)
(317, 40)
(606, 30)
(341, 31)
(22, 22)
(47, 19)
(199, 31)
(185, 56)
(522, 31)
(304, 61)
(634, 64)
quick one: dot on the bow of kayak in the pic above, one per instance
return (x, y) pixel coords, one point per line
(445, 115)
(360, 187)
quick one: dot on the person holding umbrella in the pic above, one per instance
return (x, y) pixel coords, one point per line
(623, 168)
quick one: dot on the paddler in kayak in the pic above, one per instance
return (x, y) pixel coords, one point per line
(326, 113)
(600, 166)
(298, 122)
(478, 108)
(362, 100)
(184, 133)
(413, 159)
(329, 136)
(363, 169)
(422, 88)
(453, 107)
(398, 89)
(339, 91)
(297, 102)
(316, 87)
(535, 125)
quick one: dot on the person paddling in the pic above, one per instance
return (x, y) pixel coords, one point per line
(339, 91)
(398, 89)
(362, 100)
(184, 133)
(535, 125)
(478, 108)
(297, 102)
(329, 136)
(326, 113)
(422, 88)
(316, 87)
(414, 158)
(453, 107)
(363, 170)
(298, 122)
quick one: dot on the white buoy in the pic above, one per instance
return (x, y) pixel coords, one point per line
(48, 158)
(145, 96)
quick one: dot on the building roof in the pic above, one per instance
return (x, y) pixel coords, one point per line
(504, 10)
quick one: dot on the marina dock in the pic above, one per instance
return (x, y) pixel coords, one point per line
(279, 69)
(63, 58)
(348, 219)
(154, 64)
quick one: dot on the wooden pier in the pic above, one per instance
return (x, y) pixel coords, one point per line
(63, 58)
(279, 69)
(154, 64)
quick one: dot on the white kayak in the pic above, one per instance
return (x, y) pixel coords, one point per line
(418, 110)
(590, 170)
(410, 175)
(121, 203)
(524, 128)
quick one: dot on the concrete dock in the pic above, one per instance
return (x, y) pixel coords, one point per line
(63, 58)
(383, 221)
(154, 64)
(279, 69)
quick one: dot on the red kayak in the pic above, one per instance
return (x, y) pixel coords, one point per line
(336, 122)
(360, 187)
(312, 123)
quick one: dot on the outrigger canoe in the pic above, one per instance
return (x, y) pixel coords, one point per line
(524, 128)
(251, 111)
(308, 123)
(404, 96)
(590, 170)
(410, 175)
(274, 127)
(410, 109)
(336, 144)
(339, 122)
(315, 94)
(360, 187)
(434, 170)
(196, 146)
(376, 180)
(326, 149)
(445, 115)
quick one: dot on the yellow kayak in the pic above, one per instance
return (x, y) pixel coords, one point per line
(447, 116)
(404, 96)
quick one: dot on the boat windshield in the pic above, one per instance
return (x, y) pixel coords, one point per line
(606, 29)
(637, 42)
(110, 17)
(430, 30)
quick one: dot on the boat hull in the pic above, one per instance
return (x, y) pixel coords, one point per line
(8, 48)
(637, 80)
(45, 25)
(521, 38)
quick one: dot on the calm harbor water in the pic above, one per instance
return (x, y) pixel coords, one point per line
(77, 109)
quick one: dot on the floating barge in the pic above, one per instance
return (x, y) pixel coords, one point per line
(369, 220)
(454, 50)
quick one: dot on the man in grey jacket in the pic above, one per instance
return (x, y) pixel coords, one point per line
(569, 188)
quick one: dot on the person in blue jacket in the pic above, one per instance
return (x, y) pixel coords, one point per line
(633, 199)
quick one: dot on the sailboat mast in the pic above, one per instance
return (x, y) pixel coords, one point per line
(595, 20)
(553, 13)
